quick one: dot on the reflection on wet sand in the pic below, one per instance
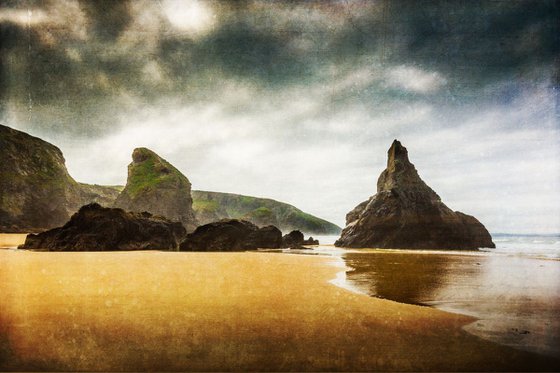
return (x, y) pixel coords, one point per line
(516, 299)
(404, 277)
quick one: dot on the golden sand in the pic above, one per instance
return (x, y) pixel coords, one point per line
(219, 311)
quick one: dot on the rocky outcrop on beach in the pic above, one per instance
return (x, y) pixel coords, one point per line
(407, 213)
(295, 240)
(154, 185)
(292, 239)
(310, 242)
(214, 206)
(232, 235)
(97, 228)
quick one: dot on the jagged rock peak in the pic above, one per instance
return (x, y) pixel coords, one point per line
(397, 155)
(400, 174)
(36, 190)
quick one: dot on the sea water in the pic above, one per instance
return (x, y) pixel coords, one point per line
(512, 290)
(539, 246)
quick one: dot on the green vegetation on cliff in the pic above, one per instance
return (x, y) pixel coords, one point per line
(205, 206)
(212, 206)
(149, 171)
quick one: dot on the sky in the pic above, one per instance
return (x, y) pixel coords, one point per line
(299, 101)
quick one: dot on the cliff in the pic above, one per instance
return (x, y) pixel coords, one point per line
(36, 190)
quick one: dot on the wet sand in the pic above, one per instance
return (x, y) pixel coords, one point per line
(220, 311)
(516, 299)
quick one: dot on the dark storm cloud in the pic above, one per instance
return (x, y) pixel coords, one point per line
(38, 74)
(10, 34)
(241, 51)
(474, 42)
(108, 17)
(236, 50)
(474, 45)
(484, 38)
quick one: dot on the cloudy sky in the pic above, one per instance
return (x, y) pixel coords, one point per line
(299, 100)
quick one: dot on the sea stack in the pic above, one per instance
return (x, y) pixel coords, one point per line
(405, 213)
(154, 185)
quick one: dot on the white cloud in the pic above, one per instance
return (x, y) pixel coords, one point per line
(413, 79)
(194, 17)
(23, 17)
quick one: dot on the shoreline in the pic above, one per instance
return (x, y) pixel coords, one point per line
(193, 311)
(510, 309)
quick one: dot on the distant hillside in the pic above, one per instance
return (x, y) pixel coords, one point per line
(212, 206)
(105, 195)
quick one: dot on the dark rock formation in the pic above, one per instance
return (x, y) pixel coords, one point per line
(232, 235)
(96, 228)
(214, 206)
(311, 242)
(406, 213)
(154, 185)
(292, 239)
(296, 240)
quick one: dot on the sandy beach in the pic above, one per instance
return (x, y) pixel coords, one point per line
(220, 311)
